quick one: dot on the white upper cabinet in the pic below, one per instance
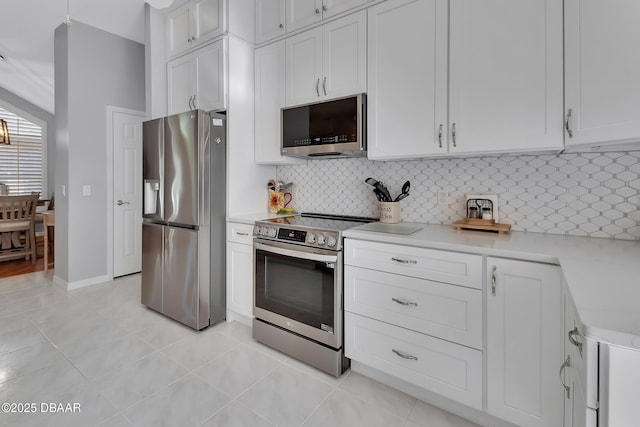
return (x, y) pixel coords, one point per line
(197, 80)
(524, 342)
(194, 23)
(301, 13)
(505, 76)
(602, 65)
(269, 99)
(502, 91)
(327, 61)
(270, 19)
(407, 97)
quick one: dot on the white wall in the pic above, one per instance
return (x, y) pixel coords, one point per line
(93, 69)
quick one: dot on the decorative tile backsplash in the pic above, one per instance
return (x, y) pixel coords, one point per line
(587, 194)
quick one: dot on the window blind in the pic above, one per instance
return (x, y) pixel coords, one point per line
(21, 162)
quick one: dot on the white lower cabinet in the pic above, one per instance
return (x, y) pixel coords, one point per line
(524, 342)
(239, 272)
(425, 332)
(452, 370)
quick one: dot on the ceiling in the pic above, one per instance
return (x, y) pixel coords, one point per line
(26, 38)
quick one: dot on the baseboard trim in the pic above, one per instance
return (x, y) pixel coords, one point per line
(70, 286)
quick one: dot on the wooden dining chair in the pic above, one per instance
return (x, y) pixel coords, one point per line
(17, 215)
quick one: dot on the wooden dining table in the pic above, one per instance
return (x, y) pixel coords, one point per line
(48, 220)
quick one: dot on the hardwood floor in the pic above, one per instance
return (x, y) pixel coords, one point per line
(22, 266)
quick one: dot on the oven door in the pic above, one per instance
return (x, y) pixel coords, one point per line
(299, 289)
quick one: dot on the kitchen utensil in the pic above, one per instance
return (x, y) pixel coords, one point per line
(379, 195)
(405, 191)
(380, 187)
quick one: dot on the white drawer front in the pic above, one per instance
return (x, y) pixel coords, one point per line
(445, 311)
(448, 369)
(442, 266)
(240, 233)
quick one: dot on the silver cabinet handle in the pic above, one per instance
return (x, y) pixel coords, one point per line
(324, 86)
(324, 7)
(405, 302)
(317, 87)
(453, 134)
(190, 98)
(240, 233)
(565, 364)
(404, 261)
(440, 136)
(120, 203)
(493, 280)
(404, 355)
(567, 126)
(572, 333)
(195, 102)
(317, 11)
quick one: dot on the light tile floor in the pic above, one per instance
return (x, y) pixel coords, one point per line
(125, 365)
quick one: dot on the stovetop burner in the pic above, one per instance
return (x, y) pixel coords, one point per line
(309, 229)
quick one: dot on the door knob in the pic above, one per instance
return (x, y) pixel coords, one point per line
(120, 203)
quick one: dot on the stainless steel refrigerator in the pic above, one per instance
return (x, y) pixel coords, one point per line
(183, 224)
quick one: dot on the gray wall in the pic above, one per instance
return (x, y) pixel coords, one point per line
(93, 69)
(46, 117)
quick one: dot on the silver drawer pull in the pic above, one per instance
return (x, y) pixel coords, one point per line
(404, 302)
(572, 333)
(404, 355)
(404, 261)
(240, 233)
(566, 364)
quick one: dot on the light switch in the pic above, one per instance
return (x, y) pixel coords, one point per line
(63, 190)
(86, 190)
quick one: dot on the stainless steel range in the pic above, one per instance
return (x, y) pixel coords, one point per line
(298, 287)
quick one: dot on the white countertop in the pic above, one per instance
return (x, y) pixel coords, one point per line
(258, 216)
(603, 275)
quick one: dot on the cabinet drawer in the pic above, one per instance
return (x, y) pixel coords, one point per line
(446, 311)
(240, 233)
(448, 369)
(442, 266)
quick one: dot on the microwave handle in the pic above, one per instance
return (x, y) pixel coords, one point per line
(296, 254)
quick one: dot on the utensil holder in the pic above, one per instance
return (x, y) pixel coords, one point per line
(390, 212)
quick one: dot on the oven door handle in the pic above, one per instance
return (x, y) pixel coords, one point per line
(296, 254)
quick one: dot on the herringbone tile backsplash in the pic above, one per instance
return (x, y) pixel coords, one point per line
(587, 194)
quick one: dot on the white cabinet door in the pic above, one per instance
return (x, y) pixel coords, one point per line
(269, 99)
(303, 67)
(210, 77)
(208, 20)
(270, 19)
(179, 30)
(407, 66)
(193, 24)
(180, 84)
(328, 61)
(524, 342)
(239, 271)
(619, 385)
(197, 80)
(344, 59)
(602, 89)
(301, 13)
(505, 77)
(240, 278)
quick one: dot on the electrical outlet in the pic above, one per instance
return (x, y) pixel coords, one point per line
(443, 198)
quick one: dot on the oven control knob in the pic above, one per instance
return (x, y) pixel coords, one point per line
(321, 239)
(331, 241)
(272, 232)
(311, 238)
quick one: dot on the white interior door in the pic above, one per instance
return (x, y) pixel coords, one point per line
(127, 193)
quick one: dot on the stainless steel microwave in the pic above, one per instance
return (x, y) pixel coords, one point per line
(328, 129)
